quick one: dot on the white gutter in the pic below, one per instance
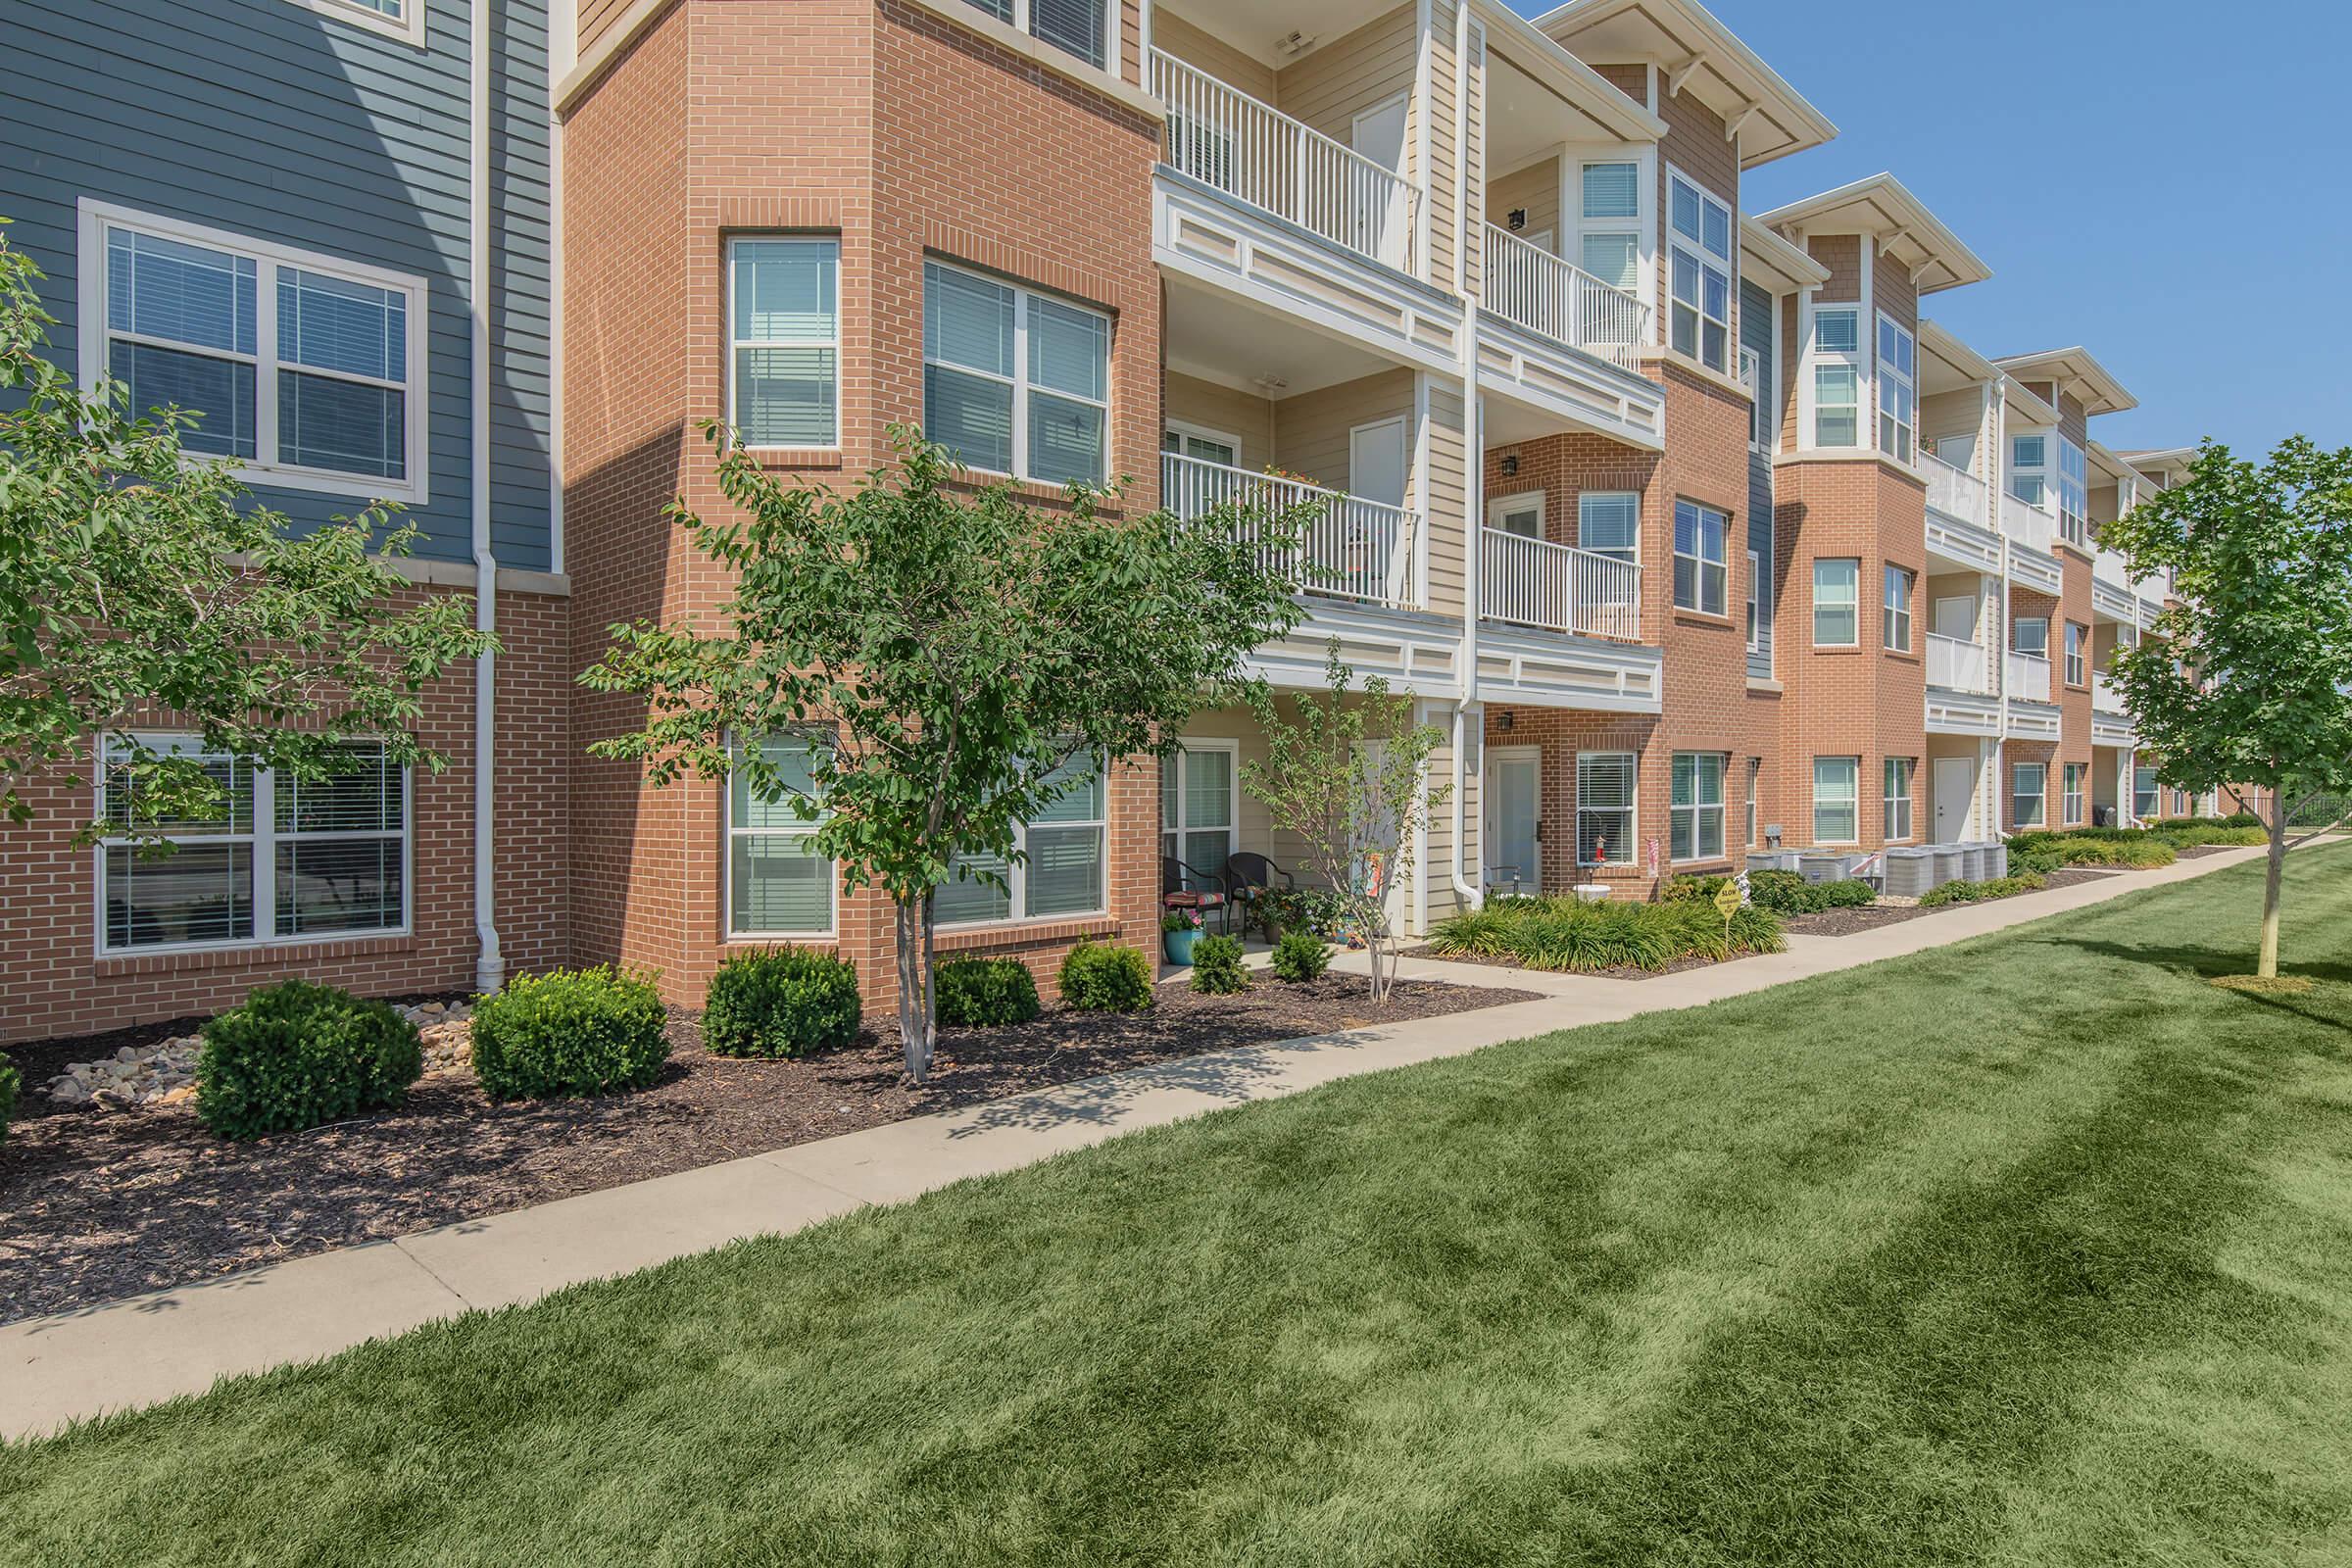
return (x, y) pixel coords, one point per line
(1474, 456)
(489, 965)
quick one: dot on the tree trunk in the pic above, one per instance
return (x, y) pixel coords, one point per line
(930, 976)
(915, 1011)
(2268, 965)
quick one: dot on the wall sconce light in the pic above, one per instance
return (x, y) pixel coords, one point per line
(1510, 463)
(1518, 219)
(1502, 721)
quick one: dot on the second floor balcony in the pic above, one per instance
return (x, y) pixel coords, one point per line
(1959, 665)
(2029, 677)
(2028, 524)
(1534, 583)
(1955, 492)
(1526, 285)
(2106, 697)
(1357, 550)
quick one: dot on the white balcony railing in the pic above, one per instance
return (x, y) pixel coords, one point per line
(1954, 492)
(2105, 694)
(1527, 284)
(1534, 583)
(2029, 677)
(1957, 666)
(1254, 153)
(2028, 524)
(1352, 550)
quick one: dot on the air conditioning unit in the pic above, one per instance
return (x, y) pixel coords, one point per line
(1910, 873)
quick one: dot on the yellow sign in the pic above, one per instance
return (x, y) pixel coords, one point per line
(1727, 899)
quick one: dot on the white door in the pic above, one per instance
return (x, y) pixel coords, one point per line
(1378, 216)
(1376, 462)
(1956, 618)
(1515, 853)
(1956, 787)
(1521, 514)
(1960, 451)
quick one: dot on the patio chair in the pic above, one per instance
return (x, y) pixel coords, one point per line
(1186, 887)
(1248, 876)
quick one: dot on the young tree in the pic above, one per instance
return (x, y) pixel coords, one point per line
(137, 582)
(957, 655)
(1351, 779)
(2247, 680)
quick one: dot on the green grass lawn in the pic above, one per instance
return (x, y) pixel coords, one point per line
(2035, 1250)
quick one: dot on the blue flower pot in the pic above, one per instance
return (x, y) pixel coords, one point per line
(1178, 945)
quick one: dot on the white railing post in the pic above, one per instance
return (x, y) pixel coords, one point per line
(1351, 549)
(1529, 286)
(1534, 583)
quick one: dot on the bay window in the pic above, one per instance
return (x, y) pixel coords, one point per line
(1700, 323)
(2029, 467)
(1014, 382)
(1838, 603)
(1695, 823)
(1609, 235)
(784, 368)
(1898, 398)
(777, 884)
(1701, 566)
(1837, 381)
(1837, 795)
(1605, 807)
(2074, 493)
(1059, 870)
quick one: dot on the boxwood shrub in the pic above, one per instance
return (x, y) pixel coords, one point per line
(1300, 957)
(1217, 966)
(569, 1032)
(986, 994)
(1098, 977)
(781, 1001)
(1780, 892)
(296, 1055)
(1565, 934)
(1977, 891)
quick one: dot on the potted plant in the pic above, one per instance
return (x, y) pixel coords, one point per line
(1179, 929)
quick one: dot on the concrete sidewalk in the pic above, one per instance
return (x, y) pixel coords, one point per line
(133, 1352)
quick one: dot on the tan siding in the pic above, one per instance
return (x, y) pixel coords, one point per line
(1310, 429)
(1536, 188)
(1438, 182)
(1334, 83)
(1445, 511)
(1250, 420)
(1942, 414)
(1174, 35)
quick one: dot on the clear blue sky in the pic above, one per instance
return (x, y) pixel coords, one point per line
(2169, 186)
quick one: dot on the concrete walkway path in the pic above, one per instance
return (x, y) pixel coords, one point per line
(133, 1352)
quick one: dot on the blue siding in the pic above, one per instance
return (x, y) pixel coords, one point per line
(1756, 335)
(269, 119)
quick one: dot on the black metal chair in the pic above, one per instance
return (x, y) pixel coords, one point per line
(1186, 887)
(1248, 876)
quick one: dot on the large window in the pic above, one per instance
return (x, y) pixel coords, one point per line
(1609, 236)
(1605, 807)
(2078, 664)
(784, 369)
(2074, 494)
(2143, 789)
(1608, 522)
(1898, 398)
(2074, 792)
(1700, 322)
(1696, 826)
(2029, 467)
(1836, 376)
(1081, 27)
(1014, 382)
(1836, 793)
(307, 369)
(2029, 784)
(1061, 872)
(1894, 618)
(289, 860)
(2030, 635)
(1197, 799)
(1898, 798)
(776, 884)
(1702, 571)
(1838, 603)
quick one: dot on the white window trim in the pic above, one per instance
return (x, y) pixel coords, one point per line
(1636, 496)
(2075, 651)
(1200, 432)
(1909, 384)
(1111, 41)
(2072, 776)
(2018, 623)
(1016, 872)
(1811, 356)
(1020, 380)
(1722, 808)
(92, 334)
(1888, 575)
(408, 28)
(2078, 535)
(1502, 507)
(1856, 605)
(829, 931)
(1670, 243)
(1755, 775)
(1232, 748)
(1643, 225)
(735, 345)
(1698, 576)
(2044, 471)
(1910, 800)
(2041, 795)
(1632, 809)
(1854, 804)
(262, 840)
(1760, 424)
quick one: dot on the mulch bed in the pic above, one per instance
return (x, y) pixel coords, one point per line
(1621, 972)
(98, 1205)
(1872, 917)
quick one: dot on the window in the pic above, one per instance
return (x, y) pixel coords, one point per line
(784, 378)
(1898, 796)
(1759, 414)
(1896, 614)
(1836, 790)
(1695, 827)
(1759, 614)
(2029, 463)
(2143, 789)
(2074, 493)
(1701, 575)
(1080, 27)
(1836, 604)
(1898, 406)
(2076, 663)
(776, 884)
(1014, 382)
(304, 369)
(1836, 378)
(1605, 807)
(399, 19)
(2074, 792)
(1609, 243)
(1755, 770)
(2028, 781)
(1061, 871)
(291, 860)
(1521, 514)
(1196, 805)
(1701, 321)
(2030, 635)
(1201, 445)
(1608, 522)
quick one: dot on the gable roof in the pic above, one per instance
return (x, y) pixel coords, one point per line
(1882, 206)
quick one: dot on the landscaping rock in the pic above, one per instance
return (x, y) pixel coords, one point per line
(164, 1074)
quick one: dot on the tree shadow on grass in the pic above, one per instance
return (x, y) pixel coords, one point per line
(2202, 964)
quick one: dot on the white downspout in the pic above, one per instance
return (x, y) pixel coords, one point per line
(1474, 456)
(489, 966)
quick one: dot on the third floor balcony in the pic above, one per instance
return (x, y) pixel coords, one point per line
(1531, 288)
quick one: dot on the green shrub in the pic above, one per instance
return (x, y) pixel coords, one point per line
(1780, 892)
(1977, 891)
(569, 1032)
(1300, 957)
(297, 1054)
(986, 994)
(10, 1082)
(1098, 977)
(1217, 966)
(781, 1001)
(1315, 909)
(1566, 933)
(2202, 833)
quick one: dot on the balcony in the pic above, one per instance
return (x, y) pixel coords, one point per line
(1958, 665)
(1529, 286)
(1954, 492)
(2028, 524)
(1564, 347)
(2029, 677)
(1534, 583)
(1359, 550)
(2106, 697)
